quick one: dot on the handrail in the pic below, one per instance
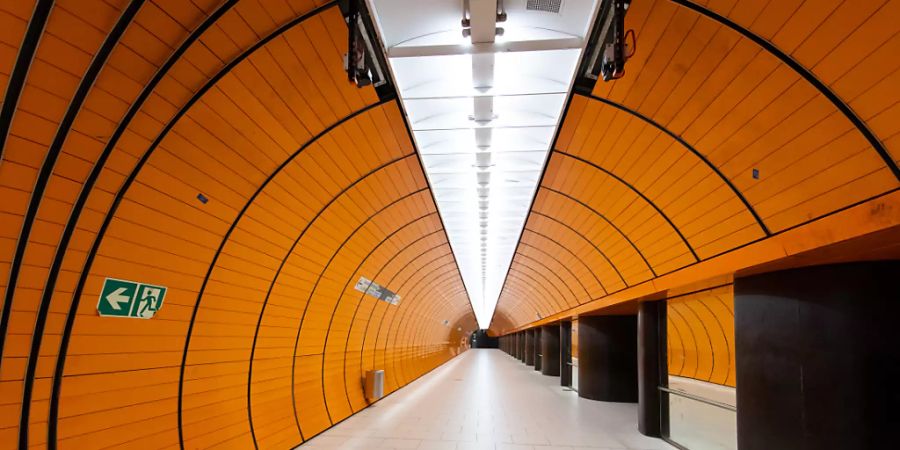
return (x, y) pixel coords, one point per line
(697, 398)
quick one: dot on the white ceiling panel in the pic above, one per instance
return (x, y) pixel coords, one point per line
(483, 111)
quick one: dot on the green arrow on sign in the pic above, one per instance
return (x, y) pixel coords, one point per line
(122, 298)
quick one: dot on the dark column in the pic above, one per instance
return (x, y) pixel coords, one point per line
(537, 349)
(565, 353)
(529, 347)
(520, 346)
(607, 358)
(550, 350)
(481, 339)
(651, 353)
(818, 357)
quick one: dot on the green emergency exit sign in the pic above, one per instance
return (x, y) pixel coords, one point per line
(121, 298)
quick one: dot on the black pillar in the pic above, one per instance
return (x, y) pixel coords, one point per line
(520, 346)
(651, 352)
(607, 358)
(537, 349)
(529, 347)
(818, 357)
(565, 353)
(550, 350)
(481, 339)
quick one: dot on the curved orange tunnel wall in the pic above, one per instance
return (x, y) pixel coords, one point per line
(700, 336)
(129, 113)
(742, 133)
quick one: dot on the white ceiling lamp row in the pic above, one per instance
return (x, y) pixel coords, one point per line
(483, 106)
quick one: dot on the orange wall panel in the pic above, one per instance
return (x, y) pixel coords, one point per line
(700, 336)
(734, 125)
(310, 183)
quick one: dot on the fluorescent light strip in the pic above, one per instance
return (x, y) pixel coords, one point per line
(483, 122)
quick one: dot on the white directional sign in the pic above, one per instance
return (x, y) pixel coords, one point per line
(367, 286)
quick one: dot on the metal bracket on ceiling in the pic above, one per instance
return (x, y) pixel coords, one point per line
(608, 48)
(363, 64)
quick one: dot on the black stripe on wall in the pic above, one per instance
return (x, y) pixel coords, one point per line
(843, 107)
(84, 88)
(62, 248)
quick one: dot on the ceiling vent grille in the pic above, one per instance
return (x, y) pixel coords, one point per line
(550, 6)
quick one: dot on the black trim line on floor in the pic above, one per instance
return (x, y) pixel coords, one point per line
(62, 248)
(807, 75)
(65, 125)
(693, 150)
(19, 74)
(636, 191)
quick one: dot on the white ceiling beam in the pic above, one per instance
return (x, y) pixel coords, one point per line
(483, 18)
(413, 51)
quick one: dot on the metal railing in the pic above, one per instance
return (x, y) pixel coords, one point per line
(698, 398)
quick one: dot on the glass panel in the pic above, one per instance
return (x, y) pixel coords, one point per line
(697, 424)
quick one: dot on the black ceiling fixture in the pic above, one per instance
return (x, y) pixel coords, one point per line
(609, 47)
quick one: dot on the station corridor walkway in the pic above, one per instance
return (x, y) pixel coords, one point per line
(486, 400)
(234, 224)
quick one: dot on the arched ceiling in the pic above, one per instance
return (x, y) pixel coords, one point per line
(215, 148)
(735, 123)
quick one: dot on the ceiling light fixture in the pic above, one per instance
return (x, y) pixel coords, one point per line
(483, 104)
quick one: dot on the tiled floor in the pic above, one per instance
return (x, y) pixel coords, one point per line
(484, 400)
